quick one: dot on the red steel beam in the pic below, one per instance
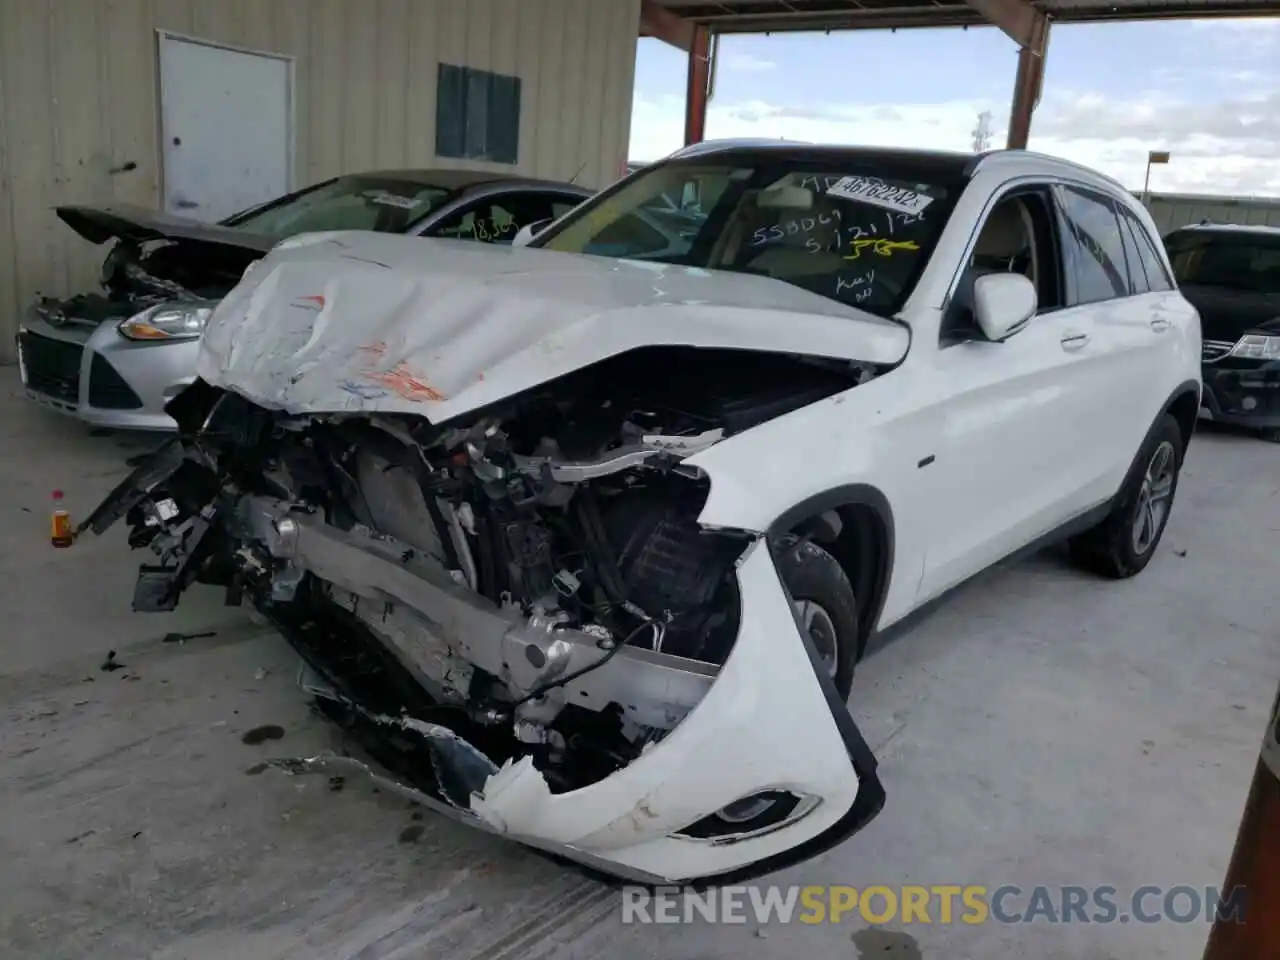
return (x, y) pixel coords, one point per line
(659, 22)
(1029, 29)
(1021, 22)
(1027, 84)
(1255, 865)
(698, 87)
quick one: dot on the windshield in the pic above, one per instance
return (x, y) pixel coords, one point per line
(384, 204)
(1239, 261)
(860, 236)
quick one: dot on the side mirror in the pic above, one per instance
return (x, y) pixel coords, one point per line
(529, 231)
(1003, 303)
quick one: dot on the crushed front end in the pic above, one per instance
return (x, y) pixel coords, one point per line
(520, 615)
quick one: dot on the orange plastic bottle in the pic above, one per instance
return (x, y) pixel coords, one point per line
(60, 534)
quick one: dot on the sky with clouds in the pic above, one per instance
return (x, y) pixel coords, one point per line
(1207, 91)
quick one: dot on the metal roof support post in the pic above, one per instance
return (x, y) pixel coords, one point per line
(699, 86)
(1251, 931)
(1027, 85)
(1029, 29)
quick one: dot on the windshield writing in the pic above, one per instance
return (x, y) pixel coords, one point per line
(861, 238)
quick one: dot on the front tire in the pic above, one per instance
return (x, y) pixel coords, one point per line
(1124, 543)
(826, 607)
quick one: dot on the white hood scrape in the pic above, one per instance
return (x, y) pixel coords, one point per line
(354, 322)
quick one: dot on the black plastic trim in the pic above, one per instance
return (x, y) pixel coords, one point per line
(853, 494)
(1076, 525)
(108, 390)
(1187, 387)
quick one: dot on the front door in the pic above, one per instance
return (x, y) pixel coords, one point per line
(1018, 419)
(226, 128)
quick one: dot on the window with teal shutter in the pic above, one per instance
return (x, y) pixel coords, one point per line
(477, 114)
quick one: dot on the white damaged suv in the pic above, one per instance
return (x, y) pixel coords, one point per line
(582, 539)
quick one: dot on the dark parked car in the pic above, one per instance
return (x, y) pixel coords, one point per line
(1231, 273)
(115, 357)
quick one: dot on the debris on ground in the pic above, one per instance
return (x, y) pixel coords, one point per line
(1180, 553)
(268, 731)
(111, 663)
(337, 783)
(183, 637)
(260, 673)
(412, 833)
(256, 769)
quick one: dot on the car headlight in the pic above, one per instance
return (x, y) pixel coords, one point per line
(1257, 346)
(168, 321)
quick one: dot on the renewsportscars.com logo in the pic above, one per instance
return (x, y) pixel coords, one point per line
(942, 904)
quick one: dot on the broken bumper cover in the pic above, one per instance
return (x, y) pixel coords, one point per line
(768, 723)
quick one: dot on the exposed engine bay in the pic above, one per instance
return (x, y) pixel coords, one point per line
(530, 585)
(144, 269)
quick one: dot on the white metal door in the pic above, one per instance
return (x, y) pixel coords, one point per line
(1010, 433)
(226, 127)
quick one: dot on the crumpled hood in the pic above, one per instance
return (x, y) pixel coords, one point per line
(373, 322)
(138, 224)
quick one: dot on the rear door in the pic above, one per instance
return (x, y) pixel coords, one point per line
(1129, 328)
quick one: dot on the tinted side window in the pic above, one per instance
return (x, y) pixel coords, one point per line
(1137, 271)
(1094, 249)
(1157, 276)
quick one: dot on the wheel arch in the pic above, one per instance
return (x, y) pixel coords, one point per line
(1184, 406)
(853, 522)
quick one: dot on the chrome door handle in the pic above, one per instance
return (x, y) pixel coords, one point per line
(1074, 341)
(1159, 324)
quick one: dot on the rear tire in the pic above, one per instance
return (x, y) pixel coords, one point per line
(1270, 434)
(1124, 543)
(825, 604)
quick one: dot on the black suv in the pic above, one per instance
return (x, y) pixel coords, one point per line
(1231, 273)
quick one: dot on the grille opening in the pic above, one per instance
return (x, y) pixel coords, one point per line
(52, 366)
(107, 389)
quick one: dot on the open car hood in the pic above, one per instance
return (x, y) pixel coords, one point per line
(139, 224)
(352, 322)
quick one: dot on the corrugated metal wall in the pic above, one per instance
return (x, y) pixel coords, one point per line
(1173, 210)
(79, 100)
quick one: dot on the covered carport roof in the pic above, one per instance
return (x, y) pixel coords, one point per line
(691, 25)
(752, 16)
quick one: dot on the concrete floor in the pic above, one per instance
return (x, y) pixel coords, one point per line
(1042, 728)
